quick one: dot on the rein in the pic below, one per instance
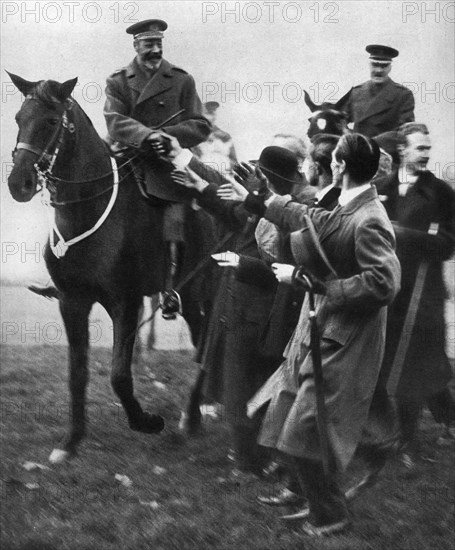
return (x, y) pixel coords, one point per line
(62, 246)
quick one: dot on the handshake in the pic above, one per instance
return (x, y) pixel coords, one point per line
(162, 144)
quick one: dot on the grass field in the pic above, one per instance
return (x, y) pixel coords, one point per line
(181, 496)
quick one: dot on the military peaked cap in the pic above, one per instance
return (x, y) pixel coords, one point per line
(148, 29)
(381, 54)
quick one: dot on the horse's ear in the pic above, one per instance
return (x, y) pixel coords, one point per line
(66, 88)
(312, 106)
(24, 86)
(340, 103)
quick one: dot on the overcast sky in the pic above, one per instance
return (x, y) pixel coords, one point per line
(254, 58)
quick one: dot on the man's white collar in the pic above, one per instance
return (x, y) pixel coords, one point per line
(347, 195)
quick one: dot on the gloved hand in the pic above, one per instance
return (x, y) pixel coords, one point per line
(160, 143)
(252, 178)
(308, 281)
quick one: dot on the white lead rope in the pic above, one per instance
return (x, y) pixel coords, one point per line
(62, 246)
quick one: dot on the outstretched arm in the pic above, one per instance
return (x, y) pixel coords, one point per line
(378, 280)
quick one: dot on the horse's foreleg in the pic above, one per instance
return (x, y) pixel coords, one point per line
(75, 312)
(125, 318)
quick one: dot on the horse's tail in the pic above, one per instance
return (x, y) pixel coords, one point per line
(48, 292)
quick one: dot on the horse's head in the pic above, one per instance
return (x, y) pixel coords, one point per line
(327, 118)
(42, 122)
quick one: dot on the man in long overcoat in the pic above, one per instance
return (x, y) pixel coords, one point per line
(358, 238)
(422, 208)
(235, 362)
(380, 104)
(143, 95)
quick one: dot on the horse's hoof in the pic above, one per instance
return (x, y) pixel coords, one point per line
(148, 424)
(58, 456)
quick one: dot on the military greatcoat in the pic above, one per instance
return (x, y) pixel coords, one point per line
(136, 103)
(376, 112)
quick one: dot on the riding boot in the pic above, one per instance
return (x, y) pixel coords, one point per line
(171, 303)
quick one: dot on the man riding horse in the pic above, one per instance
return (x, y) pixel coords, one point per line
(145, 101)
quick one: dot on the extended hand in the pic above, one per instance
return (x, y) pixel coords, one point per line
(232, 191)
(227, 259)
(174, 145)
(283, 272)
(251, 177)
(189, 179)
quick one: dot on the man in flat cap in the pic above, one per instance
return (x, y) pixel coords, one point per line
(146, 94)
(218, 151)
(379, 105)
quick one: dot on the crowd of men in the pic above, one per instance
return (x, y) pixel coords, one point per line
(308, 229)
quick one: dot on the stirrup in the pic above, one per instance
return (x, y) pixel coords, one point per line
(171, 304)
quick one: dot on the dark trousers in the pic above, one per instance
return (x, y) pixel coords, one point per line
(325, 498)
(441, 406)
(249, 456)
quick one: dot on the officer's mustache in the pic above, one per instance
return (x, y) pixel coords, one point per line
(154, 56)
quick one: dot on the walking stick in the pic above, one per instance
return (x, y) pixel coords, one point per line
(406, 331)
(315, 347)
(409, 322)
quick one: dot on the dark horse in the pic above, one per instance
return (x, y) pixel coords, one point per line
(116, 264)
(327, 118)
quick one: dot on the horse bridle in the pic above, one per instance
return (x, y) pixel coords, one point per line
(57, 137)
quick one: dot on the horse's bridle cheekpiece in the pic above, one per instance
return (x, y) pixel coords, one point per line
(45, 155)
(46, 179)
